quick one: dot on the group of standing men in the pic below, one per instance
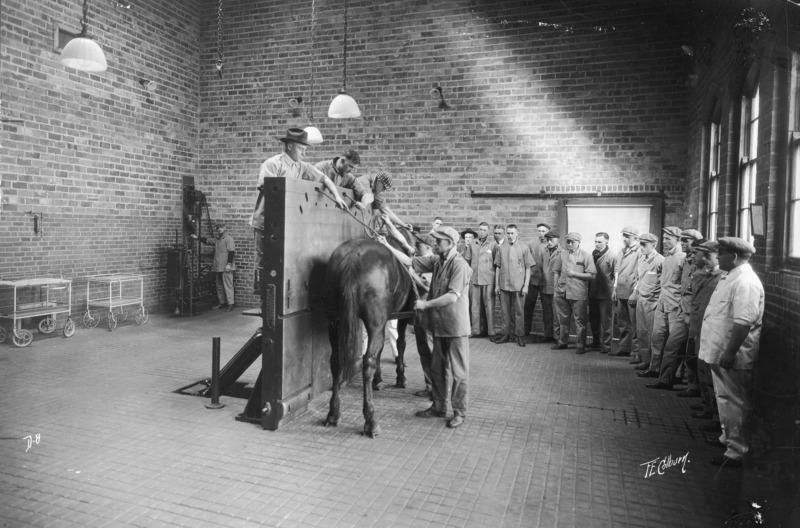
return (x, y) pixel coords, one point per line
(700, 304)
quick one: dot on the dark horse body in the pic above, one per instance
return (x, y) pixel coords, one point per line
(364, 282)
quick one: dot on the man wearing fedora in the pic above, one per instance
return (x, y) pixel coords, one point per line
(480, 256)
(729, 343)
(288, 164)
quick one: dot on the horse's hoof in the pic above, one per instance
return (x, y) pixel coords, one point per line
(400, 384)
(333, 422)
(376, 387)
(373, 431)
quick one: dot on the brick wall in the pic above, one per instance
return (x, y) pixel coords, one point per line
(96, 155)
(564, 97)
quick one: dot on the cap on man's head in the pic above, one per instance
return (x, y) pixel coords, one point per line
(352, 156)
(553, 233)
(426, 239)
(469, 232)
(385, 179)
(630, 230)
(574, 236)
(692, 234)
(736, 245)
(446, 233)
(295, 135)
(220, 225)
(543, 225)
(672, 231)
(707, 246)
(649, 237)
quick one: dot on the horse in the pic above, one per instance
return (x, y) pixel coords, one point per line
(365, 283)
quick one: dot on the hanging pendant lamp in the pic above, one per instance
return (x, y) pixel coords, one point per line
(343, 106)
(314, 135)
(83, 53)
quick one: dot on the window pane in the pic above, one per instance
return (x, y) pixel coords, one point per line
(794, 229)
(714, 195)
(795, 184)
(712, 226)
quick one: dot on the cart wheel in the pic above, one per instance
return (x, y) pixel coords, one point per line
(22, 338)
(47, 325)
(3, 335)
(112, 321)
(69, 328)
(141, 315)
(120, 314)
(91, 318)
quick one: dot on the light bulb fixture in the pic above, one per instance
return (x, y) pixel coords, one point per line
(436, 92)
(83, 53)
(314, 135)
(148, 86)
(294, 102)
(343, 106)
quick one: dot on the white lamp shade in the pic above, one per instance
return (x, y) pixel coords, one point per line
(314, 135)
(84, 54)
(343, 107)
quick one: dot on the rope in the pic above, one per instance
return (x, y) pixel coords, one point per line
(344, 76)
(219, 40)
(313, 54)
(374, 234)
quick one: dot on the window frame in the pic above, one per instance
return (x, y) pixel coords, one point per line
(747, 176)
(792, 204)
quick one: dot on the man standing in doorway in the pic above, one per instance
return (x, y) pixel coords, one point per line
(624, 279)
(729, 343)
(512, 263)
(551, 260)
(644, 298)
(600, 314)
(576, 271)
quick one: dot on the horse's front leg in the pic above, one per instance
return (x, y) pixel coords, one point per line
(333, 413)
(368, 366)
(401, 350)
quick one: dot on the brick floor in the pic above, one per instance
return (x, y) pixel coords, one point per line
(551, 439)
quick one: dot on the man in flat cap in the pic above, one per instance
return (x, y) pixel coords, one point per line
(573, 275)
(704, 281)
(288, 164)
(480, 257)
(341, 168)
(551, 257)
(729, 343)
(446, 312)
(624, 278)
(512, 263)
(668, 312)
(223, 267)
(678, 330)
(369, 190)
(537, 247)
(600, 288)
(644, 295)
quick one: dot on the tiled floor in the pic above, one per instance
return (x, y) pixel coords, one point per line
(552, 439)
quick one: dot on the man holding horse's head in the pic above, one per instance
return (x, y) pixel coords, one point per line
(447, 316)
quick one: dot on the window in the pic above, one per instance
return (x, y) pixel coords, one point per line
(793, 185)
(748, 149)
(713, 178)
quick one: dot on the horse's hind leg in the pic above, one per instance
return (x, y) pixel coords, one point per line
(333, 414)
(374, 348)
(401, 351)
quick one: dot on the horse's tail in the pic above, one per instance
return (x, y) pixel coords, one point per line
(349, 327)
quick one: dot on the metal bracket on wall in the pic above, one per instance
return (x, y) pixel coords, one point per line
(38, 222)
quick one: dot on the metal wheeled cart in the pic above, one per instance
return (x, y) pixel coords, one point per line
(112, 293)
(41, 297)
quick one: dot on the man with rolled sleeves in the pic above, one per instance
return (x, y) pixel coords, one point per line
(644, 295)
(624, 278)
(551, 261)
(704, 281)
(512, 264)
(729, 343)
(446, 312)
(577, 269)
(481, 286)
(600, 316)
(340, 169)
(536, 247)
(668, 312)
